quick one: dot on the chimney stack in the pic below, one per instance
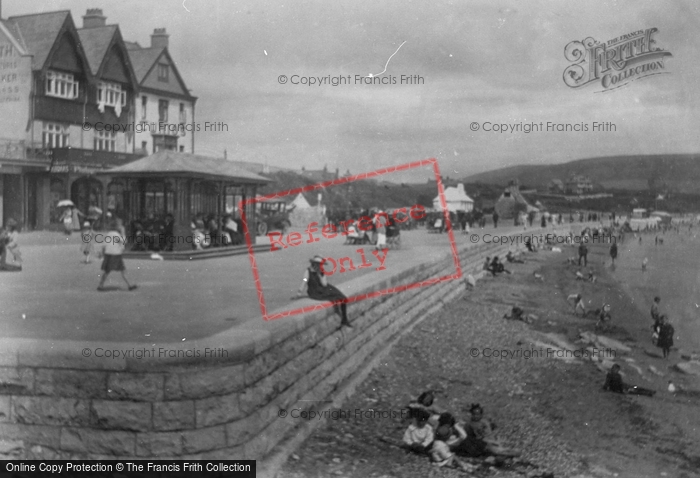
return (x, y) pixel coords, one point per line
(159, 39)
(94, 18)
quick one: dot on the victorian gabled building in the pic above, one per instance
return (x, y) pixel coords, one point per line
(71, 100)
(164, 108)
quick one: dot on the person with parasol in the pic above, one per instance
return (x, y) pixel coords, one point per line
(70, 217)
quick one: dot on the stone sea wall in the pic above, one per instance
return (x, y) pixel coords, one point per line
(56, 405)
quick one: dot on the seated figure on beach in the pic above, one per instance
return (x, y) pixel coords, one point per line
(529, 245)
(481, 439)
(442, 454)
(419, 435)
(426, 402)
(510, 257)
(497, 267)
(614, 383)
(457, 432)
(517, 313)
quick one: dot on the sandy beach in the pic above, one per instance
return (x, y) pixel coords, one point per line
(673, 273)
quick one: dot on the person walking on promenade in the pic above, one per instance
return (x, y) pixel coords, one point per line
(495, 219)
(613, 252)
(665, 341)
(583, 254)
(88, 236)
(112, 250)
(318, 288)
(11, 245)
(67, 220)
(380, 228)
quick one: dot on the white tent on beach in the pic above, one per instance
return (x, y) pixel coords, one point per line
(456, 198)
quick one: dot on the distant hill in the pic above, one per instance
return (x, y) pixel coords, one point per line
(675, 172)
(360, 194)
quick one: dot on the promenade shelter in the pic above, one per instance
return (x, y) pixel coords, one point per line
(183, 185)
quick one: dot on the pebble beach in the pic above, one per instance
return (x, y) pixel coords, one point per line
(550, 407)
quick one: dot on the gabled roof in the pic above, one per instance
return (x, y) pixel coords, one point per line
(143, 60)
(12, 30)
(455, 194)
(38, 32)
(171, 163)
(97, 42)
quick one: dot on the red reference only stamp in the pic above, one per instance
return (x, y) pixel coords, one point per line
(315, 233)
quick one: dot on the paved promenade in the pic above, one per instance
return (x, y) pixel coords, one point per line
(55, 296)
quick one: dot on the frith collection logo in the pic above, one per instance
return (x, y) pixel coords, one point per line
(615, 63)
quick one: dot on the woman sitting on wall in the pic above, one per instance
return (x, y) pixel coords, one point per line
(318, 288)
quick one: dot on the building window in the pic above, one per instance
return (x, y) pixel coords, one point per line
(55, 135)
(182, 149)
(144, 104)
(144, 146)
(164, 143)
(105, 141)
(163, 72)
(61, 85)
(163, 111)
(183, 115)
(111, 94)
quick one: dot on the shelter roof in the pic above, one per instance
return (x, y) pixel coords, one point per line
(175, 164)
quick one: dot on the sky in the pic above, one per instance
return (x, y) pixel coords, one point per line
(490, 61)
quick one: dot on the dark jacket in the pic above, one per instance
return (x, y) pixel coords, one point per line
(613, 382)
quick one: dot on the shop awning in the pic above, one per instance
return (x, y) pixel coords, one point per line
(173, 164)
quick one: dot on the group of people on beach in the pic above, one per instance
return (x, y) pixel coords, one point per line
(438, 434)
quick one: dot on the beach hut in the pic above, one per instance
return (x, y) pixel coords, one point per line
(456, 198)
(512, 203)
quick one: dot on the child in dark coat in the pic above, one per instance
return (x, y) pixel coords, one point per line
(665, 340)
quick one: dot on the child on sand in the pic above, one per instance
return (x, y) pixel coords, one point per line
(481, 439)
(578, 303)
(425, 401)
(665, 340)
(644, 264)
(440, 452)
(419, 435)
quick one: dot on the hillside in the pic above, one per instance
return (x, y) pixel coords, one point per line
(364, 194)
(675, 172)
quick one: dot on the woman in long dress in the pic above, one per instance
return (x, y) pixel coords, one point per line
(318, 288)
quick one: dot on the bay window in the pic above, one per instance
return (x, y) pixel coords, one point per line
(61, 85)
